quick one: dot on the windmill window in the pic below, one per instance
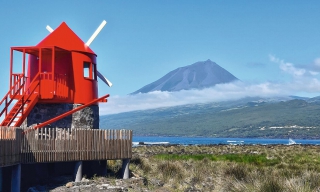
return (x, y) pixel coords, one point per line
(94, 72)
(86, 69)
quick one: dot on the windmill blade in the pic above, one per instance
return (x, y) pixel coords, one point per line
(94, 35)
(105, 80)
(49, 29)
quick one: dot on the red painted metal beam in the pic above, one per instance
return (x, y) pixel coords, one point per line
(101, 99)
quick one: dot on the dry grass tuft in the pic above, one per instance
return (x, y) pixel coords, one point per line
(237, 171)
(170, 170)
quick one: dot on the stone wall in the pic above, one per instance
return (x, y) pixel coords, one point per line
(86, 118)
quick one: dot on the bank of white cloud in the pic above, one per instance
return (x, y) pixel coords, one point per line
(303, 80)
(157, 99)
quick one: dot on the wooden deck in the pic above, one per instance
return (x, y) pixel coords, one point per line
(60, 145)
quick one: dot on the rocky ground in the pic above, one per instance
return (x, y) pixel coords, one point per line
(92, 185)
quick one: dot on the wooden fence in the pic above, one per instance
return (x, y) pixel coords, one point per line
(10, 142)
(58, 144)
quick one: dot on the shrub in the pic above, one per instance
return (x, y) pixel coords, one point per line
(142, 164)
(237, 171)
(169, 169)
(271, 185)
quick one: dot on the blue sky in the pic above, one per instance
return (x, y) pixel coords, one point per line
(272, 46)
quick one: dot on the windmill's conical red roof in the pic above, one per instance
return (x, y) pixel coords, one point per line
(65, 38)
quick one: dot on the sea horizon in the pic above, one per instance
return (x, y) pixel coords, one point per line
(151, 140)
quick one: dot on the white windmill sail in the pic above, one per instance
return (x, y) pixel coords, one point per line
(49, 28)
(93, 36)
(104, 79)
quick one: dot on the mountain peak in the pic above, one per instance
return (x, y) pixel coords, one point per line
(199, 75)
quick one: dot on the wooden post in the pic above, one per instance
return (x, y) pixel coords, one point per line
(125, 168)
(16, 178)
(1, 180)
(78, 171)
(103, 166)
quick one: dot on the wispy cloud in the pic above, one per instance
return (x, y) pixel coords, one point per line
(297, 71)
(304, 80)
(288, 67)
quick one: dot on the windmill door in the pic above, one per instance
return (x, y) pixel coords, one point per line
(63, 74)
(55, 64)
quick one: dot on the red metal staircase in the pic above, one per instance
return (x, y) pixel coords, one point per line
(16, 113)
(27, 98)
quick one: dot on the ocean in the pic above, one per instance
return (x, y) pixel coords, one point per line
(216, 141)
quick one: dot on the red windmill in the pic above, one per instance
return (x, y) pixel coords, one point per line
(62, 70)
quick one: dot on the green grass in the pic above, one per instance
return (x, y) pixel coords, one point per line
(239, 158)
(229, 168)
(184, 157)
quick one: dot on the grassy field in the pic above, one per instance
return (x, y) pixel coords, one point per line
(228, 168)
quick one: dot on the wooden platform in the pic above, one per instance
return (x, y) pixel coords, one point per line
(62, 145)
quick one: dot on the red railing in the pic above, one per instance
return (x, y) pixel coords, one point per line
(18, 85)
(101, 99)
(25, 97)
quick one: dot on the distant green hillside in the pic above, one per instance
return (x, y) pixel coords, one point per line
(294, 118)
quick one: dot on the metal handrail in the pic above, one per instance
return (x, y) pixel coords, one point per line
(103, 99)
(5, 98)
(27, 92)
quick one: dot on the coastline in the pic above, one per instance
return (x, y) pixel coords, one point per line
(216, 141)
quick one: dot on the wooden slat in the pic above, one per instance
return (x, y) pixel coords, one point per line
(54, 145)
(10, 142)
